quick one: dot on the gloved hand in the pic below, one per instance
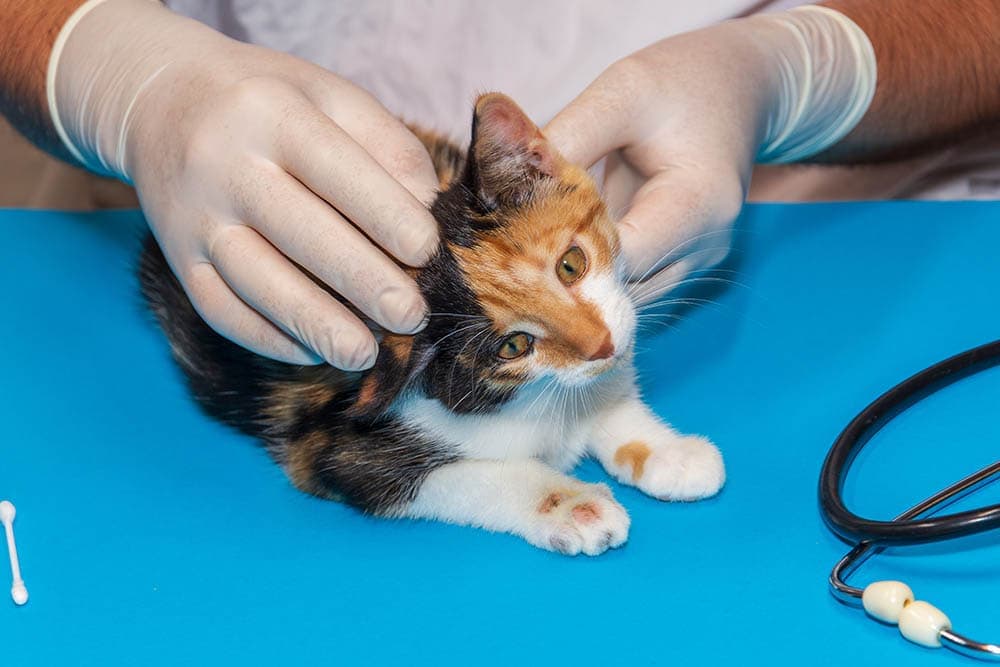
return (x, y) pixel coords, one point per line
(683, 121)
(268, 181)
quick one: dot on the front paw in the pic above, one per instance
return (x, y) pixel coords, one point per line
(681, 468)
(583, 519)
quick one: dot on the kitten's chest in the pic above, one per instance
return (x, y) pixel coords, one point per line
(550, 433)
(546, 423)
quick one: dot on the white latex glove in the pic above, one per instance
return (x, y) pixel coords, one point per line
(683, 121)
(251, 166)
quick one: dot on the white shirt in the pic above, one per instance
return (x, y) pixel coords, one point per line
(426, 60)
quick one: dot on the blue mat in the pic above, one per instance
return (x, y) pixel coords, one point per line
(152, 536)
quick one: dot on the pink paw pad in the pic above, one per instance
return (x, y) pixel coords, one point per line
(586, 513)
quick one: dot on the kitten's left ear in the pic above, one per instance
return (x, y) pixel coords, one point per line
(508, 154)
(400, 359)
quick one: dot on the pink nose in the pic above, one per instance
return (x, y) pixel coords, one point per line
(606, 349)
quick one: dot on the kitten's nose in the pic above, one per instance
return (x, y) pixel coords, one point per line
(606, 349)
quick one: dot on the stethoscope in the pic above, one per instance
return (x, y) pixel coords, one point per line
(893, 601)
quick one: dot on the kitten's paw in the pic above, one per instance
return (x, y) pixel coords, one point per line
(585, 519)
(682, 468)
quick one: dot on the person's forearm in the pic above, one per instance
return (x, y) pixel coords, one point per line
(938, 75)
(29, 29)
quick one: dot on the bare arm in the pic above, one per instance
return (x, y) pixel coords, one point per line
(29, 29)
(938, 75)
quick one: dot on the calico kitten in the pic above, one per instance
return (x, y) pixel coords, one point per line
(524, 368)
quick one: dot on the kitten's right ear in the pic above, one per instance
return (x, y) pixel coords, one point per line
(508, 153)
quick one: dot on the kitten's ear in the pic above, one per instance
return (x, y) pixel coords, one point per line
(508, 154)
(400, 358)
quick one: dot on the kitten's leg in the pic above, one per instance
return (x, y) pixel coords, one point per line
(526, 498)
(638, 449)
(394, 471)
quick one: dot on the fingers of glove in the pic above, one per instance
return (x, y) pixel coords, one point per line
(229, 316)
(621, 182)
(274, 287)
(602, 117)
(330, 163)
(383, 136)
(315, 236)
(676, 214)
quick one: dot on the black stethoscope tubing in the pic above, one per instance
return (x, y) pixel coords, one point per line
(916, 525)
(854, 528)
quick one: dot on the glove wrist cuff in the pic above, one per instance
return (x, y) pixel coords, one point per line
(104, 58)
(826, 75)
(50, 76)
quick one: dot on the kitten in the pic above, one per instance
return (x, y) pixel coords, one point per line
(524, 367)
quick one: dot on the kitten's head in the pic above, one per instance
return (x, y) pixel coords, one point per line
(527, 284)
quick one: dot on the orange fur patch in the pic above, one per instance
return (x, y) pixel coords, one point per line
(400, 346)
(634, 454)
(551, 501)
(513, 270)
(301, 457)
(287, 401)
(367, 394)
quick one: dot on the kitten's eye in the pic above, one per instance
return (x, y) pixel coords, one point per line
(514, 346)
(571, 266)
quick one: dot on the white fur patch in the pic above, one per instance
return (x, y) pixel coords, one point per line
(526, 498)
(677, 467)
(508, 479)
(605, 292)
(545, 420)
(549, 418)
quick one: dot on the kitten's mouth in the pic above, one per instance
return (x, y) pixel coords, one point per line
(599, 368)
(602, 366)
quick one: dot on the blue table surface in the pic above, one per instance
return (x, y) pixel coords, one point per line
(150, 535)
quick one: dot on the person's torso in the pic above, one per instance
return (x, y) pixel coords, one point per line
(425, 60)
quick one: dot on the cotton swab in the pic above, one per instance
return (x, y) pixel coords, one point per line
(17, 590)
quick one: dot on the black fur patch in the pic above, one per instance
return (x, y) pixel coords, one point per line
(304, 415)
(464, 341)
(374, 464)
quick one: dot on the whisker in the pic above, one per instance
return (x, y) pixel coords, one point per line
(680, 301)
(671, 251)
(646, 326)
(660, 316)
(540, 394)
(740, 231)
(459, 315)
(454, 365)
(456, 331)
(659, 290)
(537, 419)
(645, 279)
(635, 286)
